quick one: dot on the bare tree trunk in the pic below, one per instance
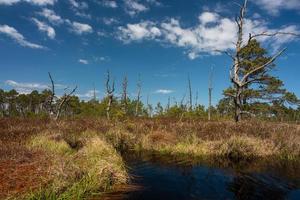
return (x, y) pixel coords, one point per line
(210, 88)
(124, 94)
(110, 100)
(110, 94)
(190, 94)
(139, 88)
(209, 103)
(168, 105)
(238, 105)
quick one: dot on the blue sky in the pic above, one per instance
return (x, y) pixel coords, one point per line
(164, 41)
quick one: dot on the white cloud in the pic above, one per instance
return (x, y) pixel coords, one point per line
(25, 88)
(154, 2)
(210, 34)
(43, 27)
(79, 5)
(83, 61)
(274, 6)
(51, 16)
(208, 17)
(9, 2)
(143, 30)
(133, 7)
(164, 91)
(35, 2)
(78, 8)
(80, 28)
(26, 85)
(76, 27)
(110, 3)
(18, 37)
(110, 21)
(89, 94)
(102, 33)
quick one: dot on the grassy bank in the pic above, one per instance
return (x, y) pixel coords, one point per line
(81, 164)
(246, 141)
(77, 157)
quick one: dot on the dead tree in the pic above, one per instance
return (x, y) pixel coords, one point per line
(64, 100)
(124, 94)
(149, 107)
(241, 80)
(110, 89)
(190, 94)
(94, 94)
(139, 88)
(55, 104)
(196, 99)
(210, 88)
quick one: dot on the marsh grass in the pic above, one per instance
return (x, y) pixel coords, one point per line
(77, 172)
(78, 157)
(246, 141)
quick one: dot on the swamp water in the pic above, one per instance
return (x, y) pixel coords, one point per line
(163, 177)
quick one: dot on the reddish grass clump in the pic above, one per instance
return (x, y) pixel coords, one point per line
(27, 173)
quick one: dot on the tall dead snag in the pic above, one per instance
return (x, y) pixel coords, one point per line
(149, 107)
(210, 88)
(240, 78)
(55, 104)
(124, 94)
(190, 94)
(110, 89)
(139, 88)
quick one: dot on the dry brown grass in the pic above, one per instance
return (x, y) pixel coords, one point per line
(245, 140)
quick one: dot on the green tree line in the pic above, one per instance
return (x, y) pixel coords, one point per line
(34, 104)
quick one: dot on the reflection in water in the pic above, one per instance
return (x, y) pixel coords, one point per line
(163, 177)
(253, 186)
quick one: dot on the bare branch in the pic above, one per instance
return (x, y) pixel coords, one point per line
(65, 99)
(266, 34)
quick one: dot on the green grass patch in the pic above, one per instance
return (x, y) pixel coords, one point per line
(78, 172)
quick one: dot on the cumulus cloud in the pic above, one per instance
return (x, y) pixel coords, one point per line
(164, 91)
(110, 3)
(79, 5)
(89, 94)
(83, 61)
(18, 37)
(35, 2)
(43, 27)
(25, 88)
(133, 7)
(80, 28)
(26, 85)
(75, 27)
(210, 34)
(51, 16)
(273, 7)
(110, 21)
(208, 17)
(154, 2)
(143, 30)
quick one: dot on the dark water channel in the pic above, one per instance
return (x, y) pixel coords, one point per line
(164, 177)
